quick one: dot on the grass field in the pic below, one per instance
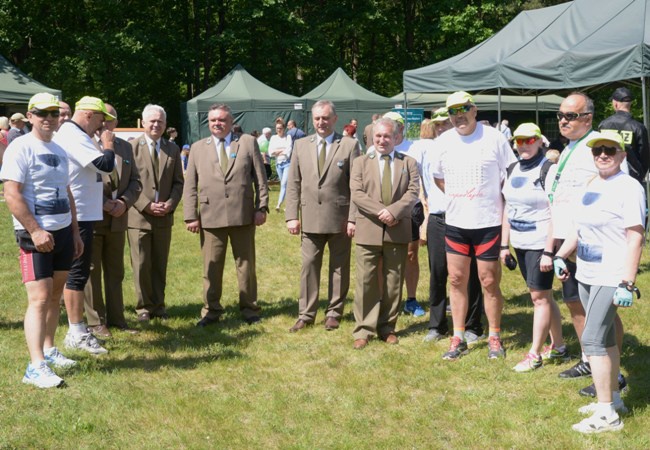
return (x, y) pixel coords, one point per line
(237, 386)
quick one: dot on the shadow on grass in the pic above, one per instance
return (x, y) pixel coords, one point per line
(9, 325)
(635, 360)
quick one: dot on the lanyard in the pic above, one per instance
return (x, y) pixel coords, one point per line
(561, 167)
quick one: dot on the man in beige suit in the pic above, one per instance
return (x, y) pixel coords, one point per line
(318, 203)
(385, 186)
(152, 216)
(121, 189)
(225, 197)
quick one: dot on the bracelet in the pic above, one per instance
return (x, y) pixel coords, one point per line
(549, 254)
(505, 247)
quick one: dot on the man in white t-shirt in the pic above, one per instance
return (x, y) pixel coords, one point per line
(470, 170)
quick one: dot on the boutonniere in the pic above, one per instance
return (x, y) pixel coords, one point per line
(371, 156)
(313, 138)
(404, 170)
(399, 156)
(340, 164)
(209, 140)
(232, 155)
(126, 161)
(143, 142)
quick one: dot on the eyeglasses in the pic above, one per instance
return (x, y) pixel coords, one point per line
(571, 116)
(459, 109)
(526, 141)
(609, 151)
(43, 113)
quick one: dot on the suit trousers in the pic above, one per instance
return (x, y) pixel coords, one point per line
(313, 247)
(375, 315)
(214, 242)
(107, 260)
(438, 282)
(149, 256)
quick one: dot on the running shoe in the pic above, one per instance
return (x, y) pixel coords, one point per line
(552, 354)
(472, 338)
(54, 358)
(495, 347)
(457, 348)
(529, 363)
(595, 424)
(42, 376)
(86, 342)
(581, 369)
(591, 408)
(433, 335)
(413, 307)
(590, 391)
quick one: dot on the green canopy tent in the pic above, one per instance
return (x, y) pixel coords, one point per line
(432, 101)
(254, 105)
(16, 88)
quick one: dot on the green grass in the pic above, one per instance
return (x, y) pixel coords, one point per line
(235, 386)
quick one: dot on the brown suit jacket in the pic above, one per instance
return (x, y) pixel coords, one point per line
(322, 203)
(225, 200)
(366, 195)
(170, 183)
(128, 189)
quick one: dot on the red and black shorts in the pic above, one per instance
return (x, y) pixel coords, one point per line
(484, 243)
(35, 265)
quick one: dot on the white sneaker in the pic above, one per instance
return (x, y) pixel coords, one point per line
(86, 342)
(592, 407)
(54, 358)
(472, 338)
(42, 376)
(596, 424)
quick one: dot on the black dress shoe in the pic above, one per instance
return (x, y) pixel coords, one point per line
(253, 319)
(204, 322)
(144, 317)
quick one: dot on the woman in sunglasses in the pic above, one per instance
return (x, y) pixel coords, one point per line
(527, 226)
(609, 220)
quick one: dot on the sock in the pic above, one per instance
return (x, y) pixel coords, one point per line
(495, 332)
(584, 358)
(605, 409)
(47, 351)
(561, 348)
(410, 299)
(460, 332)
(77, 329)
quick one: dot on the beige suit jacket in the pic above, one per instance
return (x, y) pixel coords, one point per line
(128, 188)
(225, 200)
(322, 203)
(366, 195)
(170, 183)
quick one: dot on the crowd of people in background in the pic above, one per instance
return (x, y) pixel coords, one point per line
(472, 193)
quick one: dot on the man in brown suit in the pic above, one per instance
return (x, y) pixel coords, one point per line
(367, 132)
(121, 189)
(318, 195)
(385, 186)
(152, 216)
(225, 197)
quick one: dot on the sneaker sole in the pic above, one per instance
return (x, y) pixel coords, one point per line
(30, 382)
(449, 358)
(622, 410)
(618, 427)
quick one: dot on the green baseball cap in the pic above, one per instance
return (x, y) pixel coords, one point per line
(94, 104)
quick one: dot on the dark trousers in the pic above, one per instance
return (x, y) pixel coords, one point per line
(438, 282)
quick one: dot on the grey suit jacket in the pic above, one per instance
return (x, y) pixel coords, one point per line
(321, 202)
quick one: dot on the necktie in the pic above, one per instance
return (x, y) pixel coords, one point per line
(155, 161)
(386, 183)
(321, 156)
(223, 158)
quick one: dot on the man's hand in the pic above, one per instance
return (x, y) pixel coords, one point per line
(259, 218)
(107, 139)
(386, 217)
(109, 205)
(119, 208)
(351, 228)
(293, 226)
(194, 226)
(43, 240)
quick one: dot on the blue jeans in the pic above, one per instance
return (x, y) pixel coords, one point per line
(283, 175)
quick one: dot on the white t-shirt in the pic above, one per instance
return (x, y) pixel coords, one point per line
(605, 208)
(529, 212)
(42, 169)
(436, 200)
(85, 179)
(278, 142)
(473, 168)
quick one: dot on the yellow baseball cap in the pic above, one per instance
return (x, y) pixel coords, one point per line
(94, 104)
(459, 98)
(608, 136)
(527, 130)
(440, 115)
(397, 117)
(43, 100)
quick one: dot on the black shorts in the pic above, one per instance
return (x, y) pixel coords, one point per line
(80, 269)
(484, 243)
(417, 219)
(529, 266)
(570, 292)
(35, 265)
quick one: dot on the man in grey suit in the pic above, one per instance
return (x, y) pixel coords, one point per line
(318, 203)
(152, 216)
(225, 197)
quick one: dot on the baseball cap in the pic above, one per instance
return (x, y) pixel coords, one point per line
(622, 94)
(440, 115)
(186, 146)
(43, 100)
(397, 117)
(527, 130)
(609, 136)
(18, 116)
(94, 104)
(459, 98)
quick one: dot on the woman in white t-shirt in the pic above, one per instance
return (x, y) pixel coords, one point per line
(527, 226)
(280, 147)
(609, 219)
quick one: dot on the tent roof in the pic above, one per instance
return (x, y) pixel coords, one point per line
(16, 87)
(486, 102)
(243, 92)
(347, 95)
(574, 44)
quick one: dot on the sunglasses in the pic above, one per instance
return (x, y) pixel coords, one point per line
(459, 110)
(609, 151)
(44, 113)
(526, 141)
(570, 117)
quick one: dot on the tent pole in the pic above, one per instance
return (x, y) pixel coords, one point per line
(499, 107)
(537, 108)
(646, 119)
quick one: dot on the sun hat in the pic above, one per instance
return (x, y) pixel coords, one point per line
(18, 116)
(43, 100)
(397, 117)
(440, 115)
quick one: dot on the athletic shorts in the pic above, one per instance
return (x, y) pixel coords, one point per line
(80, 269)
(529, 266)
(417, 219)
(35, 265)
(484, 243)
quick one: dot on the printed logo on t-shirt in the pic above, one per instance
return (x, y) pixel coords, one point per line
(590, 198)
(518, 182)
(520, 225)
(590, 253)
